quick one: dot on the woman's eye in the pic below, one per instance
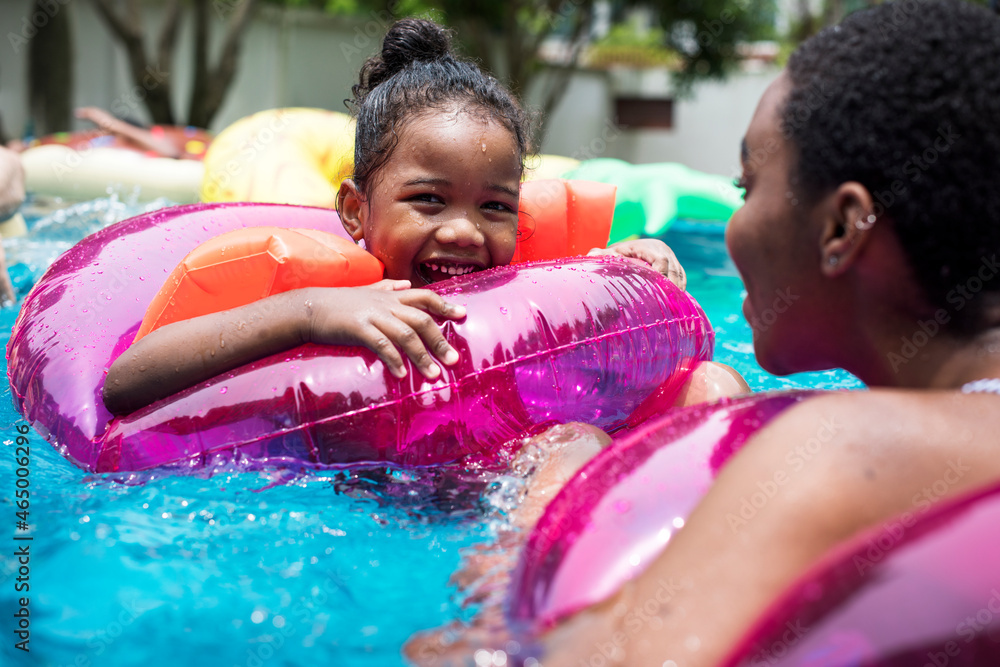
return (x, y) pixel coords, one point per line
(741, 183)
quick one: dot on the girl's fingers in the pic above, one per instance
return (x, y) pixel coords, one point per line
(406, 338)
(433, 303)
(389, 285)
(430, 334)
(379, 343)
(653, 252)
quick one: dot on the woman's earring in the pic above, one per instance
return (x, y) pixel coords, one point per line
(865, 223)
(832, 260)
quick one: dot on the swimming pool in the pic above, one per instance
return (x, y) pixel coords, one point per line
(265, 569)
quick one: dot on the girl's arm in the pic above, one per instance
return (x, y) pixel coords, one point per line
(385, 318)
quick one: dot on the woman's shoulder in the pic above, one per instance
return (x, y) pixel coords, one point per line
(877, 452)
(888, 419)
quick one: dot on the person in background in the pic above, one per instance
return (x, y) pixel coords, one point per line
(11, 197)
(139, 136)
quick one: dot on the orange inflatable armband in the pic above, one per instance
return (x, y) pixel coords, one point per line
(245, 265)
(561, 218)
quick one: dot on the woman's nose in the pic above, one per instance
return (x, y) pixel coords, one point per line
(462, 230)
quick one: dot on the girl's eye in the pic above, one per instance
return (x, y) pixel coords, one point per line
(427, 198)
(499, 206)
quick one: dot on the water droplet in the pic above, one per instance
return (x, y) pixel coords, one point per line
(223, 390)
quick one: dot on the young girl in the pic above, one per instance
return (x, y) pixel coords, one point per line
(439, 157)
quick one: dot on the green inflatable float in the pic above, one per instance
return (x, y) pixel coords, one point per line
(651, 196)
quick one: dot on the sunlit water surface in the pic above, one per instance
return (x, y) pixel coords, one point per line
(334, 568)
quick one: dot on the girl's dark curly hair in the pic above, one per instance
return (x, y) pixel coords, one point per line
(905, 99)
(415, 71)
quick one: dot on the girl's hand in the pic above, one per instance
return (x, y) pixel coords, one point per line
(654, 252)
(387, 318)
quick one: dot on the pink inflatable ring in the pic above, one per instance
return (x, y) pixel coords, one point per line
(586, 339)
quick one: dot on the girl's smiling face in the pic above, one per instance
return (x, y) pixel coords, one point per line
(445, 202)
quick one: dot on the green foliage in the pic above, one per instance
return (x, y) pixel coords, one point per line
(695, 38)
(706, 33)
(628, 44)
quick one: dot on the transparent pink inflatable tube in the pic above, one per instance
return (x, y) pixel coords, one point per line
(618, 512)
(586, 339)
(921, 590)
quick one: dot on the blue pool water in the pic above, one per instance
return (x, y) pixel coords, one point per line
(335, 568)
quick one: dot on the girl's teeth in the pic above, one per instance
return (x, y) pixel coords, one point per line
(451, 270)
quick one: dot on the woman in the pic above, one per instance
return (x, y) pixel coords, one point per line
(869, 168)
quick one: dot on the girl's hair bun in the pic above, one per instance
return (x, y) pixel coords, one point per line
(408, 41)
(416, 71)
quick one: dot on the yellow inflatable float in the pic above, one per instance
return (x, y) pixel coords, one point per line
(281, 156)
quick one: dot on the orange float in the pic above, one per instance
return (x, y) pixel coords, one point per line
(245, 265)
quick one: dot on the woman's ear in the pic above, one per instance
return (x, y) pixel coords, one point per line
(846, 227)
(352, 209)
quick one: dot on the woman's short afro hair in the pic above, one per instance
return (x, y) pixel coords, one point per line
(905, 99)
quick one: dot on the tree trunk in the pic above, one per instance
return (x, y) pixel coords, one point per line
(50, 74)
(211, 85)
(154, 77)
